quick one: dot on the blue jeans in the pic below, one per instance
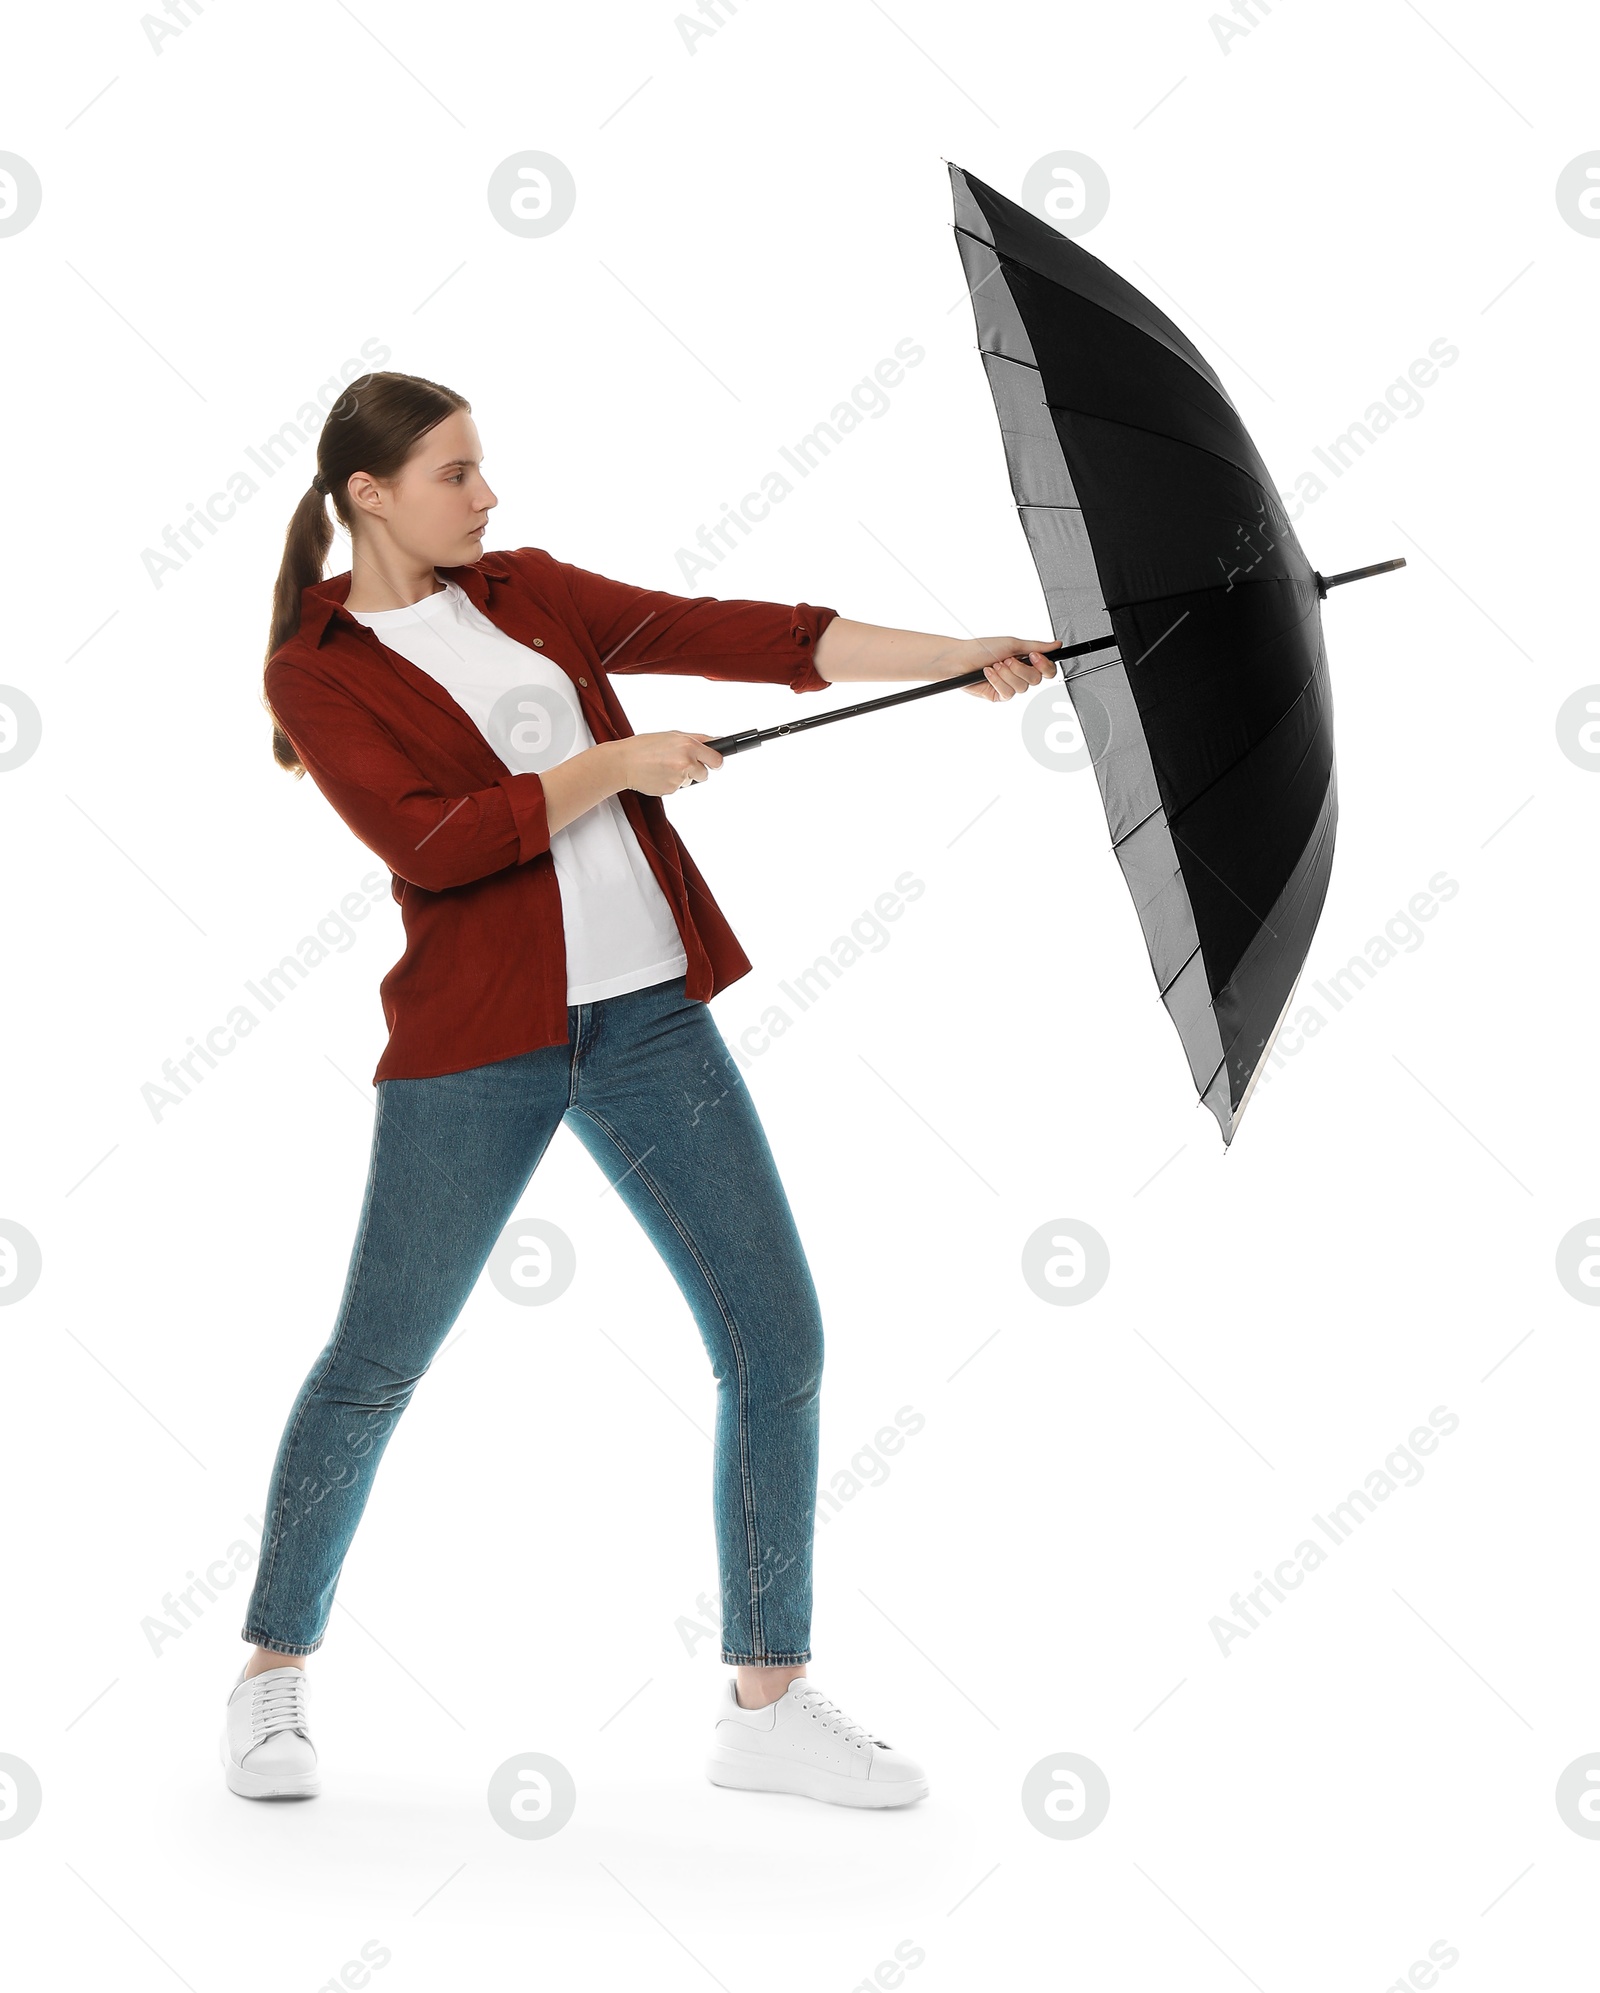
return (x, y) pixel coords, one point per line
(647, 1084)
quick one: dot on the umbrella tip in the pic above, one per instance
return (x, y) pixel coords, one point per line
(1326, 581)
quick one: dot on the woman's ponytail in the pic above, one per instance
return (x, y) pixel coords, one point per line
(374, 426)
(305, 555)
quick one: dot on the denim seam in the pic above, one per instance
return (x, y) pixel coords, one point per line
(751, 1525)
(333, 1351)
(281, 1647)
(577, 1047)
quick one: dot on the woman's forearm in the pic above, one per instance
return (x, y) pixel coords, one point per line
(847, 650)
(578, 783)
(656, 764)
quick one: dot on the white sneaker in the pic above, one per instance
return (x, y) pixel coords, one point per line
(806, 1744)
(266, 1747)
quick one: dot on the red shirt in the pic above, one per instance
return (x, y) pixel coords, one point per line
(484, 972)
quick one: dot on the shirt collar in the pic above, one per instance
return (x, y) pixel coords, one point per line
(322, 604)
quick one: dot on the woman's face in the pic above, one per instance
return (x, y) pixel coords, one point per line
(437, 509)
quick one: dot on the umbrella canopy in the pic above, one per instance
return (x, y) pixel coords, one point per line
(1157, 531)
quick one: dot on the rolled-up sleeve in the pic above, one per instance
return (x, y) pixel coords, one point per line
(431, 839)
(699, 636)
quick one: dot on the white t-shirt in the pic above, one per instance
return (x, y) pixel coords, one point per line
(620, 933)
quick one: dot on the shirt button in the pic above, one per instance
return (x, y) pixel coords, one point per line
(538, 643)
(583, 681)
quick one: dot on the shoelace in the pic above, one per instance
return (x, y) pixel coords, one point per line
(279, 1704)
(815, 1703)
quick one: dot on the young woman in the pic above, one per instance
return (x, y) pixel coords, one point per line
(457, 710)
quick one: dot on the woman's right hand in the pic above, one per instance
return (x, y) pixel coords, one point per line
(657, 764)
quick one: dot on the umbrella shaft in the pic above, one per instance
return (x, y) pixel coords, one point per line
(754, 736)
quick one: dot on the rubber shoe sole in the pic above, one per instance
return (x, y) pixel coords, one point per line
(746, 1771)
(267, 1785)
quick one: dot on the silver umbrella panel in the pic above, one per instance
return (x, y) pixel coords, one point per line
(1198, 670)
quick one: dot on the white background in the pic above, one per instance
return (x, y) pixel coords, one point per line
(1370, 1772)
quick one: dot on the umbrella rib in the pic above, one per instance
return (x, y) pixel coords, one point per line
(1164, 435)
(1217, 1068)
(1222, 882)
(1179, 875)
(1214, 588)
(1111, 664)
(1223, 774)
(1326, 833)
(1178, 839)
(1202, 371)
(1212, 996)
(994, 353)
(1190, 802)
(1118, 842)
(1200, 1096)
(1177, 595)
(1195, 950)
(1001, 262)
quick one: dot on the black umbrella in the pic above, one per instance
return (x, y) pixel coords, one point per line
(1169, 568)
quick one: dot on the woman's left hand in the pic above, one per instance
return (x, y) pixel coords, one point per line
(1012, 665)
